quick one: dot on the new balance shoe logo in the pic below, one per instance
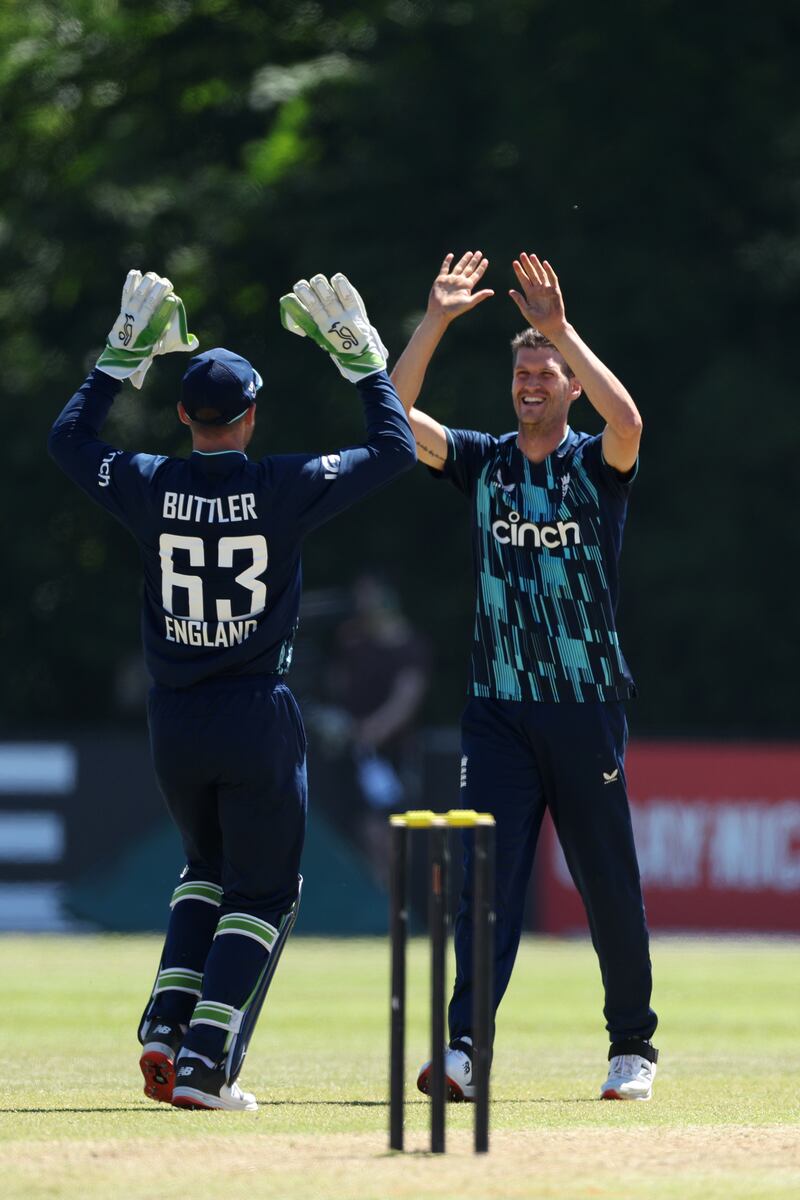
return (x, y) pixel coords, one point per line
(163, 1029)
(611, 778)
(186, 1071)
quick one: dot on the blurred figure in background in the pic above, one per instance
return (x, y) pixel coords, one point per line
(377, 681)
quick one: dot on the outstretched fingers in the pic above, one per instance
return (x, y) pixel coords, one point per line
(463, 263)
(476, 267)
(552, 278)
(534, 273)
(533, 267)
(471, 265)
(471, 268)
(525, 280)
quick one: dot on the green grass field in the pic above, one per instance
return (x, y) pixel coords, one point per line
(723, 1121)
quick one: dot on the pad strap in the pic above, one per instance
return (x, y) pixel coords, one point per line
(197, 889)
(248, 926)
(633, 1046)
(221, 1016)
(179, 979)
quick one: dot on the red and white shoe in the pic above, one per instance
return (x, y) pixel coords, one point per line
(630, 1077)
(157, 1060)
(457, 1072)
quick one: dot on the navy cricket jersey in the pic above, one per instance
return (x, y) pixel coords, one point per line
(220, 535)
(546, 540)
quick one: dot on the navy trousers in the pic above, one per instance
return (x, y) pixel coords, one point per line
(523, 757)
(230, 757)
(231, 762)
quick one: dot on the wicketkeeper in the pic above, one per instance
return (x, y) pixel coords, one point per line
(220, 537)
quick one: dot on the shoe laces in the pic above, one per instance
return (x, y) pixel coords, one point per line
(628, 1066)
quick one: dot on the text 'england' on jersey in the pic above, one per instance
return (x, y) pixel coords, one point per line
(546, 539)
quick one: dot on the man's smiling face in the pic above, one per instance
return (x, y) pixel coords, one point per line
(542, 389)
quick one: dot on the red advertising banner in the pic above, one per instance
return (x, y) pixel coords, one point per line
(718, 837)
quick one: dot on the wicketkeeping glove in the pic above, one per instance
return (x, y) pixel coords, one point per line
(333, 315)
(152, 321)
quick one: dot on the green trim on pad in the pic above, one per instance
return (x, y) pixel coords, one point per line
(247, 926)
(209, 893)
(179, 979)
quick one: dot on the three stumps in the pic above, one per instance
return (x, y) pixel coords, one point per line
(437, 826)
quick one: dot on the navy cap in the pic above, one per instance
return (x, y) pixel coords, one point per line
(219, 387)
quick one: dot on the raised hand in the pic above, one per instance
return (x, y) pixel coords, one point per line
(541, 302)
(152, 321)
(452, 293)
(333, 315)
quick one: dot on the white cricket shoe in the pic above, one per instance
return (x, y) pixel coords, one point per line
(630, 1077)
(457, 1072)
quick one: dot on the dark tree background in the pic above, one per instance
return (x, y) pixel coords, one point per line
(651, 150)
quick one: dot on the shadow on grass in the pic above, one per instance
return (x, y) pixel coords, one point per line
(165, 1108)
(420, 1103)
(121, 1108)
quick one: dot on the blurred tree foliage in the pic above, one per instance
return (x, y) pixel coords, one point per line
(651, 150)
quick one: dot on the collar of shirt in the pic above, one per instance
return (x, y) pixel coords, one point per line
(218, 462)
(517, 467)
(569, 439)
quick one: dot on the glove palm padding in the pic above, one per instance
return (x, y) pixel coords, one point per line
(152, 321)
(333, 315)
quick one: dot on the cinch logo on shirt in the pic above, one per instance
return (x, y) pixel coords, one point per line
(104, 473)
(517, 532)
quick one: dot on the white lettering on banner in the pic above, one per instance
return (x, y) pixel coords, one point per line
(738, 845)
(670, 842)
(757, 846)
(735, 858)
